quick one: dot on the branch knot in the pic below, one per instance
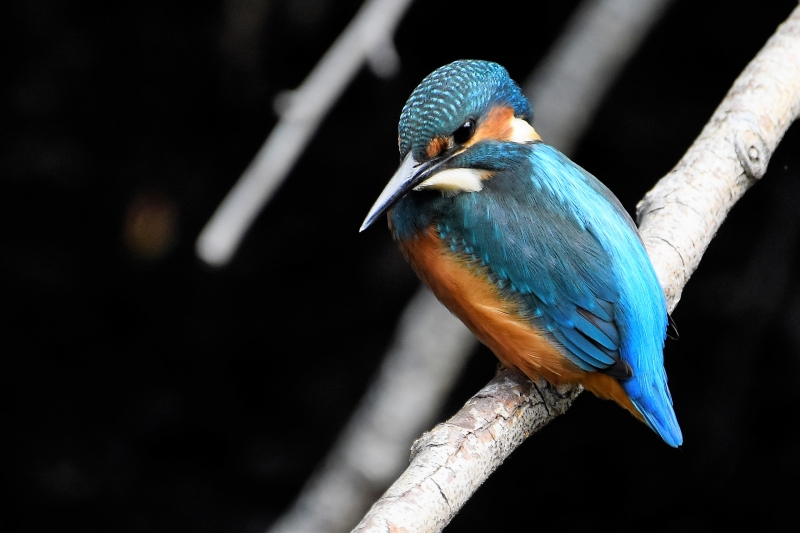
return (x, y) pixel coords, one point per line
(751, 149)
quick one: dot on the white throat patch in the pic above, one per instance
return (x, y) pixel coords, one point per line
(455, 180)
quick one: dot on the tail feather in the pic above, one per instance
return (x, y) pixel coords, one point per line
(659, 415)
(654, 409)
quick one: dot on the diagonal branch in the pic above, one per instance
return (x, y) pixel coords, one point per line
(570, 83)
(416, 374)
(683, 212)
(678, 219)
(366, 38)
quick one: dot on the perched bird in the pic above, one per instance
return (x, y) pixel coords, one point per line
(530, 251)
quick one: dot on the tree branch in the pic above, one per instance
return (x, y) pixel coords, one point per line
(366, 38)
(449, 463)
(678, 218)
(682, 213)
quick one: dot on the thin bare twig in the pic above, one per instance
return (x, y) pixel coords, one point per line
(366, 38)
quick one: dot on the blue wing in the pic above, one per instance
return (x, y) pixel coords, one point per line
(534, 228)
(559, 240)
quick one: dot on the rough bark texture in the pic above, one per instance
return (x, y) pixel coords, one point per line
(682, 213)
(446, 461)
(678, 218)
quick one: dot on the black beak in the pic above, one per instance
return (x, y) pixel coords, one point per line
(408, 175)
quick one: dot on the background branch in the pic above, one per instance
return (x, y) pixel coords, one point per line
(678, 219)
(569, 84)
(366, 39)
(416, 374)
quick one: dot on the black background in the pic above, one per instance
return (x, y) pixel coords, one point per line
(144, 391)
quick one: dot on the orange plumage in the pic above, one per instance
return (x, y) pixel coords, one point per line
(498, 322)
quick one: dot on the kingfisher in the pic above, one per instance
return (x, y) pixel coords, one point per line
(534, 254)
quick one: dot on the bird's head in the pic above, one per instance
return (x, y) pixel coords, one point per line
(446, 125)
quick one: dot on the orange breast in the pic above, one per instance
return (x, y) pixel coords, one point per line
(497, 321)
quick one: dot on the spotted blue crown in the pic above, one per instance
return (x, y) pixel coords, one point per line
(451, 94)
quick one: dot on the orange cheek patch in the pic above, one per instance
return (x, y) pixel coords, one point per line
(437, 146)
(497, 126)
(500, 124)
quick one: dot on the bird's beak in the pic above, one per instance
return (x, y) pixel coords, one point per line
(408, 175)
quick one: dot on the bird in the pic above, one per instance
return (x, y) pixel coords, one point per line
(530, 251)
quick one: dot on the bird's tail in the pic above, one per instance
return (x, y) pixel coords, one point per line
(653, 408)
(656, 409)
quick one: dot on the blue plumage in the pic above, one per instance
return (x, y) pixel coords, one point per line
(545, 233)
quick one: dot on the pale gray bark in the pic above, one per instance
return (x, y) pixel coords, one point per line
(366, 39)
(449, 463)
(683, 212)
(678, 218)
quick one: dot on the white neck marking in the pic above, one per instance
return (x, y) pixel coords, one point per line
(455, 180)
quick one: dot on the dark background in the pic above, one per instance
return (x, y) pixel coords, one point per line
(144, 391)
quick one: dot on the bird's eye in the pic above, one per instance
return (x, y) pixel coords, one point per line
(464, 132)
